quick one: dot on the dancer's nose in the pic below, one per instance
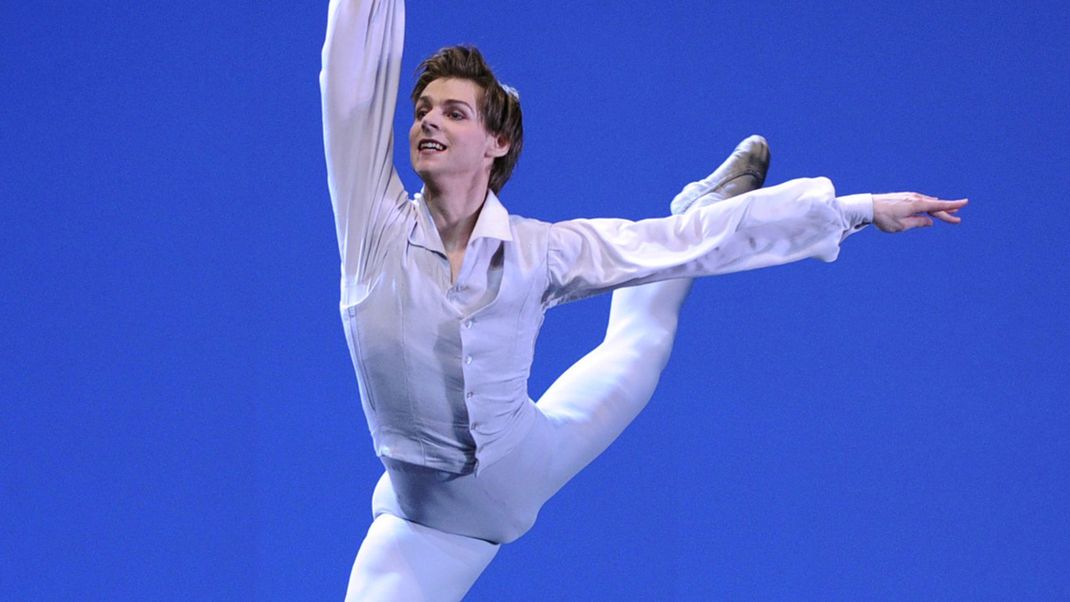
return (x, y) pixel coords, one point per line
(429, 122)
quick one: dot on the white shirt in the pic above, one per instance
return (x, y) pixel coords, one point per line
(443, 367)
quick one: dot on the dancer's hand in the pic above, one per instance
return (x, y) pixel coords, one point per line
(901, 211)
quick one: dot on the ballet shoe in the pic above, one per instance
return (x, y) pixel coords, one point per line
(744, 170)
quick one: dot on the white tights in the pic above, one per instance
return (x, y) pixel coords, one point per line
(589, 406)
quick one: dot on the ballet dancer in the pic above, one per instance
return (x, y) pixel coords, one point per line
(443, 294)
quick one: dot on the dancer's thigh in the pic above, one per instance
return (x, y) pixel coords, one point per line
(592, 403)
(581, 435)
(405, 562)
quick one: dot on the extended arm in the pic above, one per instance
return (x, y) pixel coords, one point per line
(359, 86)
(771, 226)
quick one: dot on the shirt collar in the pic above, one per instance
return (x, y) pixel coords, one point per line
(493, 222)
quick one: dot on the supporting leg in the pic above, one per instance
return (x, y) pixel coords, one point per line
(401, 561)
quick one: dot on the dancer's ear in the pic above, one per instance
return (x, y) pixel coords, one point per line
(498, 146)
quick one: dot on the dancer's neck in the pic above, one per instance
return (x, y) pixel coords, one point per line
(455, 208)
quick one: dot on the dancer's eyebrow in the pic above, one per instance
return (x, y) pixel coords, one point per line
(428, 100)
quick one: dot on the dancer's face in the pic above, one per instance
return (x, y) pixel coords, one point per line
(447, 113)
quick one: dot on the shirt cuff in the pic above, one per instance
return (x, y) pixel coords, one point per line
(857, 210)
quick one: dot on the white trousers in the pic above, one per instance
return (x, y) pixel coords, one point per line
(582, 413)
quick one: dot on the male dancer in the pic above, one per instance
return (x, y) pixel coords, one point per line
(443, 295)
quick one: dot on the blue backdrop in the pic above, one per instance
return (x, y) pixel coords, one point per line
(180, 418)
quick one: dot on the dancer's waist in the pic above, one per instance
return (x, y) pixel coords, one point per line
(453, 448)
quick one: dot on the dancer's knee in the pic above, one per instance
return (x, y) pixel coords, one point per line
(657, 344)
(649, 346)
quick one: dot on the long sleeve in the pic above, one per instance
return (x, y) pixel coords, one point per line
(770, 226)
(359, 86)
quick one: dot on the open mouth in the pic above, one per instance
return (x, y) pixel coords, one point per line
(431, 145)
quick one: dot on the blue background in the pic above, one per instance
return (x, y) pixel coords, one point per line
(180, 418)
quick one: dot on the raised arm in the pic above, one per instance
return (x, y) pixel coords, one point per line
(359, 86)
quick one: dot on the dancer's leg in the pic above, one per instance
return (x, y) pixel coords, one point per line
(401, 561)
(595, 399)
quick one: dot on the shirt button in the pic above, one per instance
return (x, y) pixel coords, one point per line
(467, 323)
(468, 360)
(468, 395)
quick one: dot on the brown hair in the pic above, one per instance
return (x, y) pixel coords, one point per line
(499, 108)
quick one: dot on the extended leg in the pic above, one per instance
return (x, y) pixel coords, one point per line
(600, 395)
(401, 561)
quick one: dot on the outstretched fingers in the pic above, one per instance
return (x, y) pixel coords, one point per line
(947, 216)
(943, 210)
(900, 211)
(916, 221)
(932, 205)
